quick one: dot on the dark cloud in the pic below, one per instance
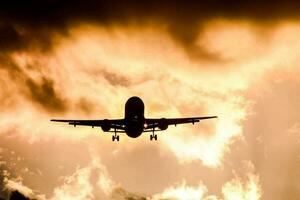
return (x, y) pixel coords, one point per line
(16, 195)
(41, 92)
(32, 23)
(2, 193)
(16, 36)
(44, 94)
(121, 194)
(115, 79)
(9, 37)
(9, 193)
(85, 105)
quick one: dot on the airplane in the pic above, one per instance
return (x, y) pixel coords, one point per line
(134, 122)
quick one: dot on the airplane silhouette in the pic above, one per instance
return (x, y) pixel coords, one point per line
(134, 122)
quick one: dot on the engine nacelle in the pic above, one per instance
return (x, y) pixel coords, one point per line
(163, 125)
(106, 126)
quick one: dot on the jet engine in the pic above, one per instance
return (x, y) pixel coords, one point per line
(163, 125)
(105, 126)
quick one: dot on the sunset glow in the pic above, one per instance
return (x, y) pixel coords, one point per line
(244, 71)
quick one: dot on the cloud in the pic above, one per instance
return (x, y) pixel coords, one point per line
(181, 192)
(15, 189)
(38, 89)
(235, 189)
(82, 184)
(44, 94)
(18, 191)
(91, 72)
(50, 79)
(121, 194)
(76, 186)
(18, 36)
(182, 20)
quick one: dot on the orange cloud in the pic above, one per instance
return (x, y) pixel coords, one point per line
(92, 72)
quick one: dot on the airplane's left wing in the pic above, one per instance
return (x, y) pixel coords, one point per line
(105, 124)
(163, 123)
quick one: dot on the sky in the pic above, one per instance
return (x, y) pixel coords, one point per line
(238, 60)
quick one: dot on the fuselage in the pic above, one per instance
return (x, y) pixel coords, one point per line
(134, 117)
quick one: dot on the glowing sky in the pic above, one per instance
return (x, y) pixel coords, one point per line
(241, 67)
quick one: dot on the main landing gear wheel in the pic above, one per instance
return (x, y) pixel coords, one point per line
(115, 137)
(153, 137)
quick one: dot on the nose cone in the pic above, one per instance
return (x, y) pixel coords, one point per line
(134, 105)
(134, 100)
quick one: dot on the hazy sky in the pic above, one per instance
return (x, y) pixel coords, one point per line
(237, 60)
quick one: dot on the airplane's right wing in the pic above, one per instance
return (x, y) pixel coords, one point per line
(105, 124)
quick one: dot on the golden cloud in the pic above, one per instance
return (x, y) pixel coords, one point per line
(91, 73)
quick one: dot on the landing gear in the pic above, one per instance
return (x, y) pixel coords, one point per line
(153, 135)
(115, 137)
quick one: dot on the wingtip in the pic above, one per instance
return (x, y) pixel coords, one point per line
(212, 117)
